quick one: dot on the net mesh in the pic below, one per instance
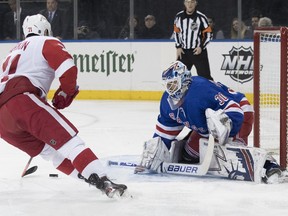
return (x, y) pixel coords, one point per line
(270, 91)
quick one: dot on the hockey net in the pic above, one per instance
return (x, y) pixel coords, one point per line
(270, 91)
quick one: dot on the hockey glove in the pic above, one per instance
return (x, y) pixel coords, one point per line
(61, 100)
(219, 125)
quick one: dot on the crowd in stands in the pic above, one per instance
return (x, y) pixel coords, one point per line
(98, 20)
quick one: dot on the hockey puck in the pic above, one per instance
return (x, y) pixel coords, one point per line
(53, 175)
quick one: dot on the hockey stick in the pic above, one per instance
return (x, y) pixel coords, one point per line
(192, 169)
(178, 168)
(121, 163)
(31, 170)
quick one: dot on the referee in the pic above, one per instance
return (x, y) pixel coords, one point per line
(192, 34)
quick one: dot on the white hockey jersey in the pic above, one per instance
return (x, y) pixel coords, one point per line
(40, 59)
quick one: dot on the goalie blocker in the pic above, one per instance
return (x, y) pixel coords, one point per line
(231, 161)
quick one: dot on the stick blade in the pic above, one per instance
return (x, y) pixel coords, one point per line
(30, 171)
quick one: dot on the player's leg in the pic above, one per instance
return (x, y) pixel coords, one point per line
(190, 152)
(43, 124)
(66, 166)
(87, 163)
(187, 59)
(202, 65)
(246, 128)
(61, 163)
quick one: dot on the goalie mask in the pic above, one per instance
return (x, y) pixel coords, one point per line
(176, 80)
(36, 24)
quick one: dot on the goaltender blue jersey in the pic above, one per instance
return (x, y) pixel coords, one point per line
(202, 94)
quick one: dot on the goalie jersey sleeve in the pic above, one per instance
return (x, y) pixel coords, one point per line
(202, 94)
(167, 126)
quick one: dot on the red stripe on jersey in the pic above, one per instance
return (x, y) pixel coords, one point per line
(68, 80)
(244, 102)
(172, 133)
(55, 54)
(14, 63)
(233, 105)
(83, 159)
(66, 167)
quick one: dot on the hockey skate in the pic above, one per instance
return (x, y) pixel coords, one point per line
(106, 186)
(273, 173)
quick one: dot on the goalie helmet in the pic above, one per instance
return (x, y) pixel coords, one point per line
(36, 24)
(176, 80)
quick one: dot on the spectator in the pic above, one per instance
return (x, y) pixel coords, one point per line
(85, 32)
(254, 23)
(56, 17)
(125, 32)
(235, 28)
(4, 8)
(192, 34)
(217, 34)
(265, 22)
(151, 29)
(10, 21)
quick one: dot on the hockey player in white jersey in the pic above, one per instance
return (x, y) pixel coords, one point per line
(29, 122)
(205, 107)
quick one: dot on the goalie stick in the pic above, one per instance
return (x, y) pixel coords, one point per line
(31, 170)
(121, 163)
(178, 168)
(192, 169)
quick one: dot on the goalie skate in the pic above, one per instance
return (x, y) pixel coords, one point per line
(106, 186)
(275, 176)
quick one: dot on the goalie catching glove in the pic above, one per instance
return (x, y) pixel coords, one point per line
(61, 100)
(154, 154)
(219, 125)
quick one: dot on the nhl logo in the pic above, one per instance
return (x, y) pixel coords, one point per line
(238, 64)
(194, 26)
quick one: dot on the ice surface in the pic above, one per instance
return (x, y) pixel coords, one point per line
(113, 130)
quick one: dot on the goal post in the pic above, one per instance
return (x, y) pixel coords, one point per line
(270, 91)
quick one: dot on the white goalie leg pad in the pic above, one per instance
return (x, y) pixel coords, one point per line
(219, 125)
(260, 157)
(176, 150)
(236, 162)
(154, 153)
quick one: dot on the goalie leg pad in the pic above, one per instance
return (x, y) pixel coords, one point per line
(237, 162)
(154, 154)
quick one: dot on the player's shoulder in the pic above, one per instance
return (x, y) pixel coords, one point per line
(50, 38)
(42, 38)
(199, 13)
(52, 42)
(164, 97)
(200, 85)
(200, 81)
(180, 13)
(164, 104)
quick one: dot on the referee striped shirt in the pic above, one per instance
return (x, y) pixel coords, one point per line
(191, 31)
